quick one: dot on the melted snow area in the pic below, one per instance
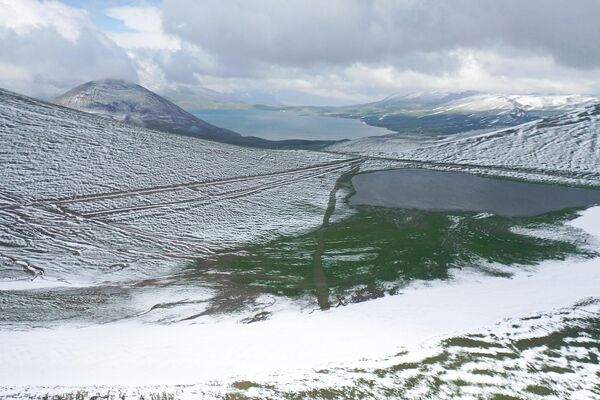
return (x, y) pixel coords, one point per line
(98, 218)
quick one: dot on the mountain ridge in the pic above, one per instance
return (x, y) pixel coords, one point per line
(135, 105)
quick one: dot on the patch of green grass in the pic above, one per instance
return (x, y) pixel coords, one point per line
(379, 250)
(245, 385)
(539, 390)
(463, 341)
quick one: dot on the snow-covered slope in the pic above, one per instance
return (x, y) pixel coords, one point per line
(132, 104)
(478, 102)
(567, 145)
(81, 194)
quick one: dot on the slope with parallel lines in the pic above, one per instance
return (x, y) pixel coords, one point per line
(81, 194)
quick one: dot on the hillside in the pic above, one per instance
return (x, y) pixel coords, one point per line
(565, 145)
(135, 105)
(112, 201)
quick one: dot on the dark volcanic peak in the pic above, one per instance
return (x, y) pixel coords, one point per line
(135, 105)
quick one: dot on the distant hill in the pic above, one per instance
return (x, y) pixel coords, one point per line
(135, 105)
(444, 113)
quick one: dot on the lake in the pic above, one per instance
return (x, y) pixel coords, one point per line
(279, 125)
(457, 191)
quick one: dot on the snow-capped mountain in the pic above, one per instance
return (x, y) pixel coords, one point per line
(417, 100)
(203, 98)
(472, 101)
(135, 105)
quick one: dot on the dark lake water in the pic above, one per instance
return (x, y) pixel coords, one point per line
(279, 125)
(455, 191)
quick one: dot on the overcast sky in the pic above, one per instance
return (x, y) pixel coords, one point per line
(303, 51)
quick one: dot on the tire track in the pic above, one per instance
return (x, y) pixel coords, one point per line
(174, 187)
(184, 249)
(224, 196)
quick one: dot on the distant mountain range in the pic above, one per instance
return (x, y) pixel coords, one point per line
(135, 105)
(442, 113)
(417, 114)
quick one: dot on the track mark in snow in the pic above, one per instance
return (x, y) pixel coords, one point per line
(225, 196)
(178, 186)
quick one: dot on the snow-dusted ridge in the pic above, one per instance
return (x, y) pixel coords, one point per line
(473, 101)
(565, 146)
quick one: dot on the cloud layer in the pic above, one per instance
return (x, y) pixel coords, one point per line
(357, 50)
(301, 32)
(335, 51)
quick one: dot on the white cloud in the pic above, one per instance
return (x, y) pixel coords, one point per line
(25, 16)
(48, 47)
(163, 61)
(145, 25)
(363, 82)
(310, 32)
(358, 49)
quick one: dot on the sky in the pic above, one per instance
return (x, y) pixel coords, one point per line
(327, 52)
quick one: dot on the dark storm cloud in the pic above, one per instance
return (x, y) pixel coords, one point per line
(308, 32)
